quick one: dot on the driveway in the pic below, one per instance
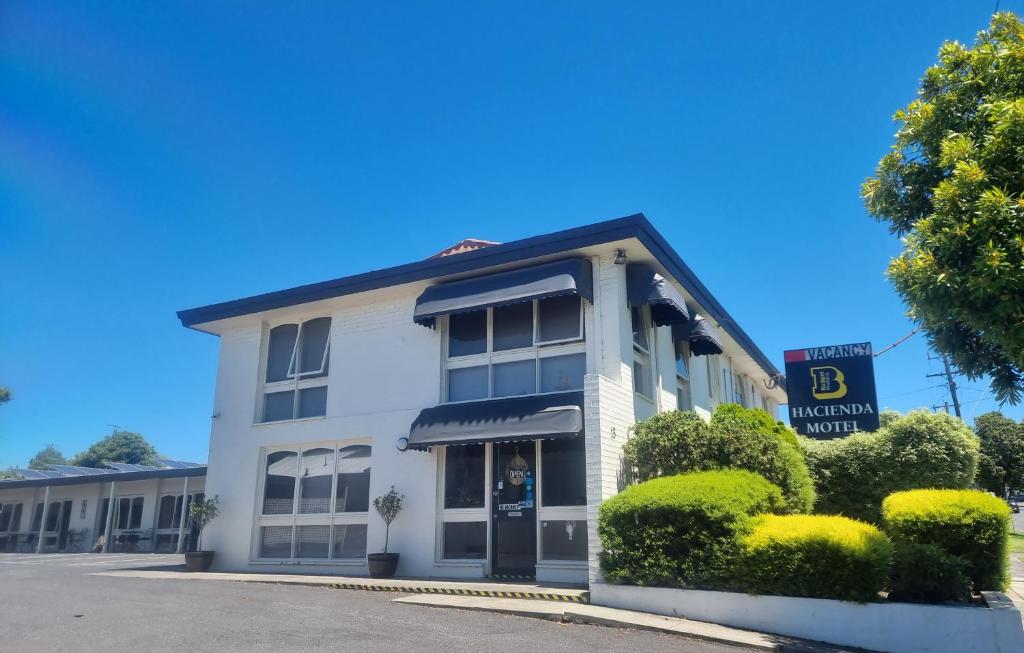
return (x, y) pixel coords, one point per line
(52, 602)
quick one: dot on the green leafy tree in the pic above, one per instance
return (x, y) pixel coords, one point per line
(8, 473)
(49, 455)
(952, 188)
(5, 395)
(1001, 467)
(120, 447)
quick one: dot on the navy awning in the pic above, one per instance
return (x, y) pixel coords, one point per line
(702, 336)
(535, 417)
(569, 277)
(645, 286)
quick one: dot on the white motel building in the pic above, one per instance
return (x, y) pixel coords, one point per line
(491, 384)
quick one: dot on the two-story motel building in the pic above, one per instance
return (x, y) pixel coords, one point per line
(493, 385)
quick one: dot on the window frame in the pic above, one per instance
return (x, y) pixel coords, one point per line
(683, 384)
(295, 381)
(490, 358)
(295, 519)
(17, 510)
(644, 356)
(556, 513)
(465, 515)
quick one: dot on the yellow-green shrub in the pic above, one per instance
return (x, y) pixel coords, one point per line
(969, 524)
(681, 530)
(815, 556)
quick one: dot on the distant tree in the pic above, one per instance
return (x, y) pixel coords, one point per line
(5, 395)
(952, 187)
(8, 473)
(1001, 467)
(49, 455)
(118, 447)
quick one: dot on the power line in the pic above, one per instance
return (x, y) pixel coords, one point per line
(947, 371)
(897, 343)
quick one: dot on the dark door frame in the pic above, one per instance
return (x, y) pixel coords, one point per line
(529, 514)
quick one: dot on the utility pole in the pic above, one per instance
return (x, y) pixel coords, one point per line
(948, 373)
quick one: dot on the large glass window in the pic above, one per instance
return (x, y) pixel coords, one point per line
(276, 542)
(315, 503)
(37, 516)
(279, 483)
(315, 481)
(559, 319)
(10, 517)
(465, 540)
(467, 383)
(513, 326)
(560, 373)
(295, 384)
(683, 401)
(564, 539)
(169, 506)
(464, 476)
(353, 491)
(563, 472)
(515, 350)
(467, 333)
(642, 371)
(349, 541)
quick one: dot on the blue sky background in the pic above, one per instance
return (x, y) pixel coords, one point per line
(156, 158)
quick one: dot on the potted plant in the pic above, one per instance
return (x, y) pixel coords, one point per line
(201, 513)
(383, 565)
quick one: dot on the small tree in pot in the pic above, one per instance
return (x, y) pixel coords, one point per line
(201, 513)
(383, 565)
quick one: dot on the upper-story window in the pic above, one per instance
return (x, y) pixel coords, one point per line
(520, 349)
(683, 400)
(295, 385)
(642, 370)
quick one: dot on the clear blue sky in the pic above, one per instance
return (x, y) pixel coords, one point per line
(156, 158)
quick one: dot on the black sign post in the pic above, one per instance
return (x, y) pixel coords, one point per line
(832, 390)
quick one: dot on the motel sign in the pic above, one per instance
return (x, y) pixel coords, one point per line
(832, 390)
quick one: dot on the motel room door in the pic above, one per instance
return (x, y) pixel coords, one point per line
(514, 513)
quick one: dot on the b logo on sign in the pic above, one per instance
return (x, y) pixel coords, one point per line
(828, 382)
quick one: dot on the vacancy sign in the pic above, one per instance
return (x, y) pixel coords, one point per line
(832, 390)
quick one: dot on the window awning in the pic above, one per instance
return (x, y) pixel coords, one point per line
(568, 277)
(702, 336)
(535, 417)
(645, 286)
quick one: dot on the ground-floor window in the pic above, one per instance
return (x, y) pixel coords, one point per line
(314, 503)
(10, 517)
(170, 511)
(555, 508)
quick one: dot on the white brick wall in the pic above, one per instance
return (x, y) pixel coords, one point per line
(608, 409)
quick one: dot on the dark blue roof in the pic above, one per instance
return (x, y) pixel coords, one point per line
(633, 226)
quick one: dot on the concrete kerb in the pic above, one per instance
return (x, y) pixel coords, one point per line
(615, 618)
(409, 586)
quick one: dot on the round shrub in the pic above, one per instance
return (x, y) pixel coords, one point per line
(968, 524)
(815, 556)
(746, 438)
(683, 530)
(739, 438)
(917, 450)
(669, 443)
(924, 572)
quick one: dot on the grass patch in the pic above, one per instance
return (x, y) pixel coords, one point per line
(1017, 542)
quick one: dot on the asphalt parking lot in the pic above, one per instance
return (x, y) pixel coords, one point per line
(54, 602)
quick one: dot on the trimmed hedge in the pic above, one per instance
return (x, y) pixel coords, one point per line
(917, 450)
(681, 531)
(748, 438)
(814, 556)
(968, 524)
(924, 572)
(738, 438)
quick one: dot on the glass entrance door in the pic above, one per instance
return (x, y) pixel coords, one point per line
(514, 513)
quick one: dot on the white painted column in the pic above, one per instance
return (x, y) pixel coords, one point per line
(42, 524)
(156, 516)
(184, 518)
(110, 518)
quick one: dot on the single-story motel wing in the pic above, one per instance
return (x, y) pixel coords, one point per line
(493, 385)
(68, 508)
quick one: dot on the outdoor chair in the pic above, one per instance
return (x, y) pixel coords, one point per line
(28, 542)
(76, 539)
